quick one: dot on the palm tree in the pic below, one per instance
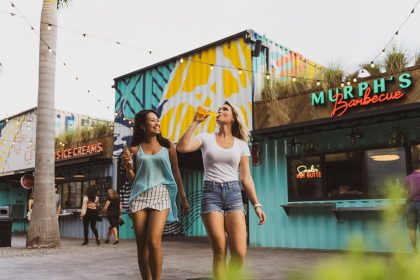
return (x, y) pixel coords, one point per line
(43, 229)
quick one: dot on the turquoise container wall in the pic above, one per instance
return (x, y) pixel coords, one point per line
(14, 194)
(317, 228)
(193, 183)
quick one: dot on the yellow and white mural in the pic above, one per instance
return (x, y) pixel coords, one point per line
(207, 78)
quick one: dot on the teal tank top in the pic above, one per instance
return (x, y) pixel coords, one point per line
(152, 171)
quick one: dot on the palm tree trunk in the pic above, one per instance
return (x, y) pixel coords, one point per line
(43, 229)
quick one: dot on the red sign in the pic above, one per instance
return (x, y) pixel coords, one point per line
(341, 106)
(27, 181)
(86, 150)
(303, 172)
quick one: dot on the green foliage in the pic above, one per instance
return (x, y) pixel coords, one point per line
(62, 3)
(356, 264)
(283, 88)
(417, 59)
(395, 60)
(332, 75)
(84, 135)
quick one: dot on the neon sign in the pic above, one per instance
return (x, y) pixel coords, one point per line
(303, 172)
(85, 150)
(363, 94)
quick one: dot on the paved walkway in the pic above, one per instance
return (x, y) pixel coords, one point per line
(184, 258)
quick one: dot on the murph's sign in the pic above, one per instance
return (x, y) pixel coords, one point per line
(363, 94)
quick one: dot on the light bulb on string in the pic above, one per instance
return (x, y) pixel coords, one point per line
(181, 60)
(49, 27)
(355, 80)
(294, 79)
(211, 67)
(50, 50)
(267, 76)
(342, 84)
(372, 65)
(240, 71)
(318, 83)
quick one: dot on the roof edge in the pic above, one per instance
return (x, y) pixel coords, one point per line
(218, 42)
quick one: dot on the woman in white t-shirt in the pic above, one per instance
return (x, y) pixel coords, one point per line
(222, 209)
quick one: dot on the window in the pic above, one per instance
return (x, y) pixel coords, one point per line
(71, 194)
(343, 174)
(305, 178)
(384, 166)
(348, 174)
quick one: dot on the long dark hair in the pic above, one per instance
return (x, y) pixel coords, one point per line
(91, 193)
(139, 133)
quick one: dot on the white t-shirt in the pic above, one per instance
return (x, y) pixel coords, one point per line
(220, 164)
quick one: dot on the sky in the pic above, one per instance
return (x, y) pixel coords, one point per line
(326, 31)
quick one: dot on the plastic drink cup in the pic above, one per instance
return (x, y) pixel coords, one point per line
(127, 154)
(203, 112)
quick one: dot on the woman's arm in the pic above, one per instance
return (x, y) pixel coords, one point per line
(106, 205)
(30, 204)
(175, 171)
(248, 183)
(120, 209)
(84, 207)
(186, 143)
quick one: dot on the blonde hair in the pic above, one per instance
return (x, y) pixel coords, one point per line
(239, 129)
(114, 194)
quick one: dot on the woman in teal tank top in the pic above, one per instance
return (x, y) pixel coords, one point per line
(155, 181)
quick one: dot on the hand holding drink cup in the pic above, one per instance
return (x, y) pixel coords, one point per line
(203, 113)
(127, 158)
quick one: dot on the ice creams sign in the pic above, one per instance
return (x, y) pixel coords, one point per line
(308, 172)
(363, 94)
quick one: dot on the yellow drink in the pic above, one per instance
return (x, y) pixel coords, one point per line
(203, 112)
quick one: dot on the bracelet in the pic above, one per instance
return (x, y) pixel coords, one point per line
(256, 205)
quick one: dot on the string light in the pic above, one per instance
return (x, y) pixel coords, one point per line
(348, 83)
(396, 33)
(181, 59)
(267, 76)
(372, 65)
(49, 27)
(318, 83)
(211, 67)
(342, 84)
(240, 71)
(355, 80)
(294, 79)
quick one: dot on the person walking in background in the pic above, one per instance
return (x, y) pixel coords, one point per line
(222, 209)
(155, 178)
(113, 208)
(89, 214)
(57, 201)
(412, 183)
(30, 205)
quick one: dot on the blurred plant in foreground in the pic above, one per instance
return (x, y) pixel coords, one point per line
(358, 264)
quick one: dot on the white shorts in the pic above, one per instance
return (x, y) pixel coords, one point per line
(156, 198)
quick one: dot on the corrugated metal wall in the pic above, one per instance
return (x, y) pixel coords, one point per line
(14, 194)
(193, 184)
(283, 63)
(313, 227)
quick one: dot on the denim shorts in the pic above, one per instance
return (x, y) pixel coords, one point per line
(221, 197)
(413, 215)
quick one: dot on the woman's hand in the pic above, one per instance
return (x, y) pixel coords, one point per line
(184, 205)
(127, 162)
(261, 215)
